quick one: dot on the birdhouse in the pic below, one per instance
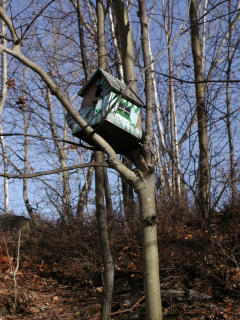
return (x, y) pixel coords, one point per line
(118, 123)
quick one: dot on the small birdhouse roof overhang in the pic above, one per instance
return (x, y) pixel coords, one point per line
(116, 85)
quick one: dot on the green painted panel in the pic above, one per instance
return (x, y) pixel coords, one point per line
(124, 115)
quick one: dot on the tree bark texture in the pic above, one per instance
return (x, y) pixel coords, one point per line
(5, 161)
(82, 42)
(67, 216)
(128, 201)
(147, 140)
(127, 52)
(171, 100)
(82, 199)
(126, 42)
(204, 166)
(145, 188)
(108, 263)
(116, 46)
(108, 198)
(101, 34)
(2, 102)
(4, 65)
(108, 276)
(26, 164)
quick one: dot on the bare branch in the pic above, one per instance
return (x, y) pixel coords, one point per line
(35, 18)
(194, 82)
(10, 26)
(47, 138)
(44, 173)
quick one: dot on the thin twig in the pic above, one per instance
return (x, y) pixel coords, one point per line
(15, 272)
(131, 309)
(47, 138)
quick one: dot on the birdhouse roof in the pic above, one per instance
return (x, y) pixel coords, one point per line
(116, 85)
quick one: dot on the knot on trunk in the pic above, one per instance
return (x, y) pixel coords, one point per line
(151, 220)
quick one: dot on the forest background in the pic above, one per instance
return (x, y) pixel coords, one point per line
(30, 108)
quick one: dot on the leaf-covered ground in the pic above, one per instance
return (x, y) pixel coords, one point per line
(60, 271)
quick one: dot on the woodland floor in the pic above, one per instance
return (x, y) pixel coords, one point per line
(60, 275)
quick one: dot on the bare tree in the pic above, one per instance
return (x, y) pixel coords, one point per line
(204, 166)
(26, 163)
(229, 129)
(108, 276)
(2, 102)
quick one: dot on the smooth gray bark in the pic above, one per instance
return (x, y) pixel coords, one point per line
(26, 165)
(2, 102)
(108, 263)
(67, 216)
(145, 188)
(128, 199)
(144, 185)
(82, 199)
(5, 162)
(82, 42)
(128, 66)
(204, 166)
(126, 39)
(108, 198)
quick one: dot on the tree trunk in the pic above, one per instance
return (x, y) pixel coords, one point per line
(148, 224)
(230, 139)
(108, 263)
(171, 100)
(176, 185)
(145, 188)
(67, 216)
(204, 166)
(126, 42)
(109, 206)
(2, 102)
(26, 164)
(5, 161)
(129, 75)
(82, 199)
(82, 43)
(160, 131)
(116, 46)
(108, 276)
(83, 193)
(143, 159)
(171, 93)
(128, 199)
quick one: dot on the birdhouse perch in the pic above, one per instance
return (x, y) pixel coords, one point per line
(122, 128)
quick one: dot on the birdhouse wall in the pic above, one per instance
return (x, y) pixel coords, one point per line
(125, 115)
(122, 127)
(89, 98)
